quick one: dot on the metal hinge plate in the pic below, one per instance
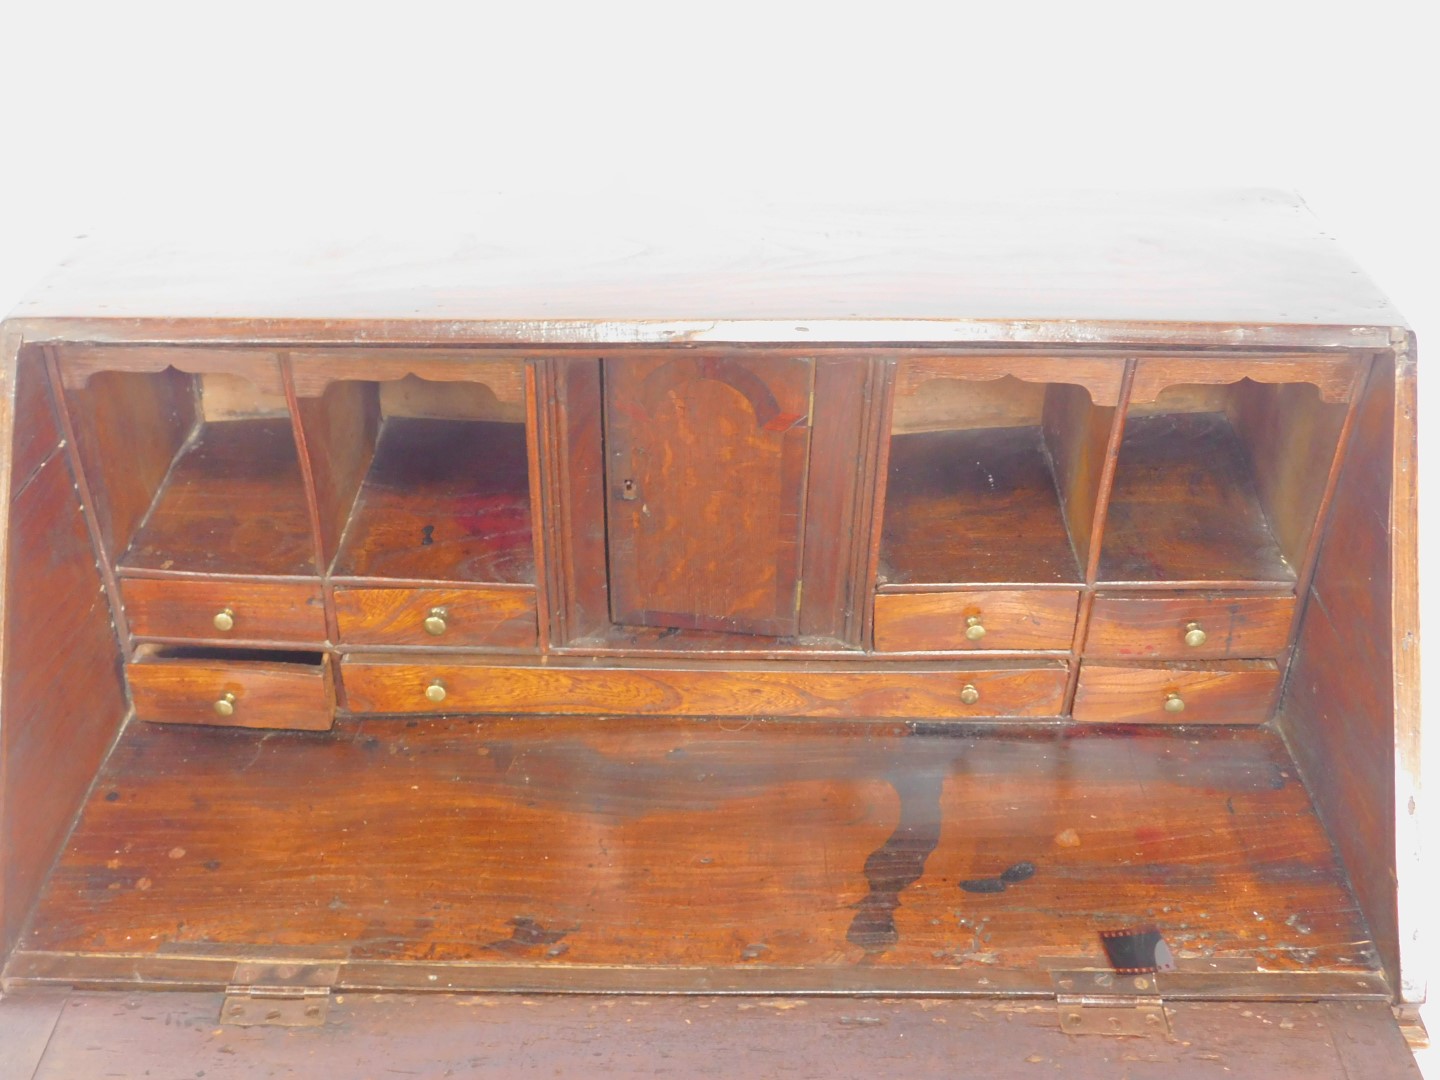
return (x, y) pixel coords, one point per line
(279, 995)
(1104, 1003)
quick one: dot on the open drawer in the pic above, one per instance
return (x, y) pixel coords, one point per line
(232, 687)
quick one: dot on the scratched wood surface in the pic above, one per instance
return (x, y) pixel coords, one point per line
(434, 1036)
(841, 847)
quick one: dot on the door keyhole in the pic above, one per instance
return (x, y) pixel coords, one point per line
(627, 491)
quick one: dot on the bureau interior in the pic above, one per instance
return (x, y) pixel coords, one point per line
(638, 847)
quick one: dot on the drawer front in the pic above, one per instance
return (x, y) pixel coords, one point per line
(1234, 692)
(251, 693)
(288, 612)
(492, 618)
(374, 686)
(1179, 627)
(1019, 619)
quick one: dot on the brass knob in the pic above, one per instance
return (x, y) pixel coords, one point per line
(224, 619)
(225, 704)
(1194, 636)
(974, 630)
(435, 692)
(435, 621)
(1174, 703)
(968, 694)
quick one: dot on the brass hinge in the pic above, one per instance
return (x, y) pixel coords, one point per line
(1107, 1003)
(279, 995)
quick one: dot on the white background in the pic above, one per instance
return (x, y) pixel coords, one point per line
(134, 118)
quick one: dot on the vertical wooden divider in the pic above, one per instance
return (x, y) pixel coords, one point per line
(87, 503)
(875, 427)
(885, 372)
(1097, 531)
(539, 512)
(312, 502)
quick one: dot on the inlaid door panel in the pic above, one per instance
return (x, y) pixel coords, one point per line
(706, 461)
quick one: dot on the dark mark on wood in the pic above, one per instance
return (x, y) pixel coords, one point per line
(427, 535)
(983, 885)
(899, 862)
(527, 934)
(1021, 871)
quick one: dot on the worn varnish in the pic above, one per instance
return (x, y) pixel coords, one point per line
(434, 1037)
(997, 483)
(750, 625)
(674, 844)
(444, 500)
(233, 503)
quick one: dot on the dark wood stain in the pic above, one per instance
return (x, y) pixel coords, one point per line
(810, 838)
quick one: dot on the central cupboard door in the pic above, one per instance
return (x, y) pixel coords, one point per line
(706, 462)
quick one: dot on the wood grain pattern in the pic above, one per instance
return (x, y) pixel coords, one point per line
(1333, 376)
(273, 611)
(842, 429)
(1184, 507)
(1341, 709)
(178, 686)
(973, 507)
(1291, 436)
(1007, 688)
(444, 500)
(706, 460)
(679, 850)
(431, 1037)
(503, 377)
(493, 617)
(1099, 376)
(572, 426)
(259, 367)
(234, 503)
(1077, 439)
(37, 435)
(1021, 619)
(340, 428)
(1219, 692)
(152, 416)
(63, 697)
(1153, 626)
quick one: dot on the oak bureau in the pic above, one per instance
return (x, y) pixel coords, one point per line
(936, 601)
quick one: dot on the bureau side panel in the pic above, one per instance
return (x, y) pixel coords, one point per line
(1350, 709)
(63, 698)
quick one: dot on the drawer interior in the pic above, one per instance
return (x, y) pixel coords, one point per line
(632, 851)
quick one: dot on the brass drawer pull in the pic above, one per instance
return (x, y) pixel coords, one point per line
(436, 622)
(224, 620)
(435, 692)
(1194, 636)
(225, 704)
(968, 694)
(974, 628)
(1174, 703)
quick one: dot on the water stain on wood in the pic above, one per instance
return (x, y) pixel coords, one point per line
(899, 862)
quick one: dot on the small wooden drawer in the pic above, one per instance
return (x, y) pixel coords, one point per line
(376, 684)
(233, 688)
(488, 617)
(289, 612)
(1020, 619)
(1200, 626)
(1226, 692)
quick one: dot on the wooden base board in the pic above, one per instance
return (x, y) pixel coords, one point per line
(865, 856)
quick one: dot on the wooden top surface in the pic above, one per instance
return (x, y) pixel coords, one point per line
(1223, 267)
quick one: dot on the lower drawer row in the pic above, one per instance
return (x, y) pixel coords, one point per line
(299, 690)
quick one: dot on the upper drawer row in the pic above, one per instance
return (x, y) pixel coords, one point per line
(1130, 626)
